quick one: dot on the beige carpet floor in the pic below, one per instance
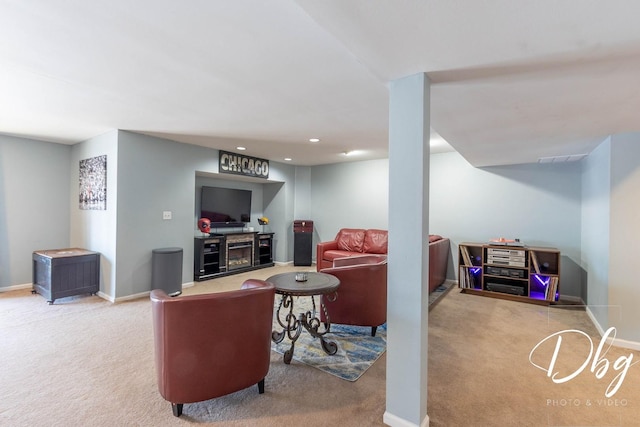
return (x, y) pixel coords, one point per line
(86, 362)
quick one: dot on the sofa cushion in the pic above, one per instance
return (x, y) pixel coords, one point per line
(434, 238)
(350, 239)
(375, 241)
(333, 254)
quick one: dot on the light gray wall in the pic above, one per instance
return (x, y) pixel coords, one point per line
(596, 193)
(302, 197)
(96, 230)
(154, 175)
(157, 175)
(624, 297)
(34, 204)
(349, 195)
(538, 203)
(541, 204)
(279, 207)
(279, 200)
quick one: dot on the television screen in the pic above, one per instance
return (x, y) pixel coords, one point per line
(225, 207)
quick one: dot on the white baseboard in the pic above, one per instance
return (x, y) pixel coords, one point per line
(572, 298)
(105, 296)
(16, 287)
(631, 345)
(594, 321)
(132, 297)
(395, 421)
(146, 294)
(135, 296)
(617, 342)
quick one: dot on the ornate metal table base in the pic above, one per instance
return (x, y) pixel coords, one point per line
(312, 284)
(292, 327)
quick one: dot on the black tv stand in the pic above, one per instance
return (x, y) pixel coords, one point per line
(231, 252)
(221, 226)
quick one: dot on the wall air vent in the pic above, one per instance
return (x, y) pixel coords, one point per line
(562, 159)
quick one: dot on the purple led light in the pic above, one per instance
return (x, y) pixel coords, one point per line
(542, 282)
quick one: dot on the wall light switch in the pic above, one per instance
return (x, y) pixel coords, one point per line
(166, 215)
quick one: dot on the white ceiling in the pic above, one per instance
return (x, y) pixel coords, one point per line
(512, 81)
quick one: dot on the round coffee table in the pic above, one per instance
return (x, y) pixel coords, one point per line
(287, 286)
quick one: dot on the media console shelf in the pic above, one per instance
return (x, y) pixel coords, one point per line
(230, 253)
(520, 273)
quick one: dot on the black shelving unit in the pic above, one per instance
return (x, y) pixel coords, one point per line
(209, 257)
(264, 254)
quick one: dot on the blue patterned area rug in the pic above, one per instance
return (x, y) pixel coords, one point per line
(357, 350)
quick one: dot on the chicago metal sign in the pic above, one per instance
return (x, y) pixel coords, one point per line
(238, 164)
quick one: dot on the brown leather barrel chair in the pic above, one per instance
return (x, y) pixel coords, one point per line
(210, 345)
(362, 296)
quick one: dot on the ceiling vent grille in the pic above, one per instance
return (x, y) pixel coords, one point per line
(562, 159)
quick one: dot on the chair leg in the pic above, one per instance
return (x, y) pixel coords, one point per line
(373, 331)
(177, 409)
(261, 386)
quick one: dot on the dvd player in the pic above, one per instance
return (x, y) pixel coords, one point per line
(507, 289)
(508, 272)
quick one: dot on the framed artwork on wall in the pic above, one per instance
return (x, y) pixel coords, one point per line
(93, 183)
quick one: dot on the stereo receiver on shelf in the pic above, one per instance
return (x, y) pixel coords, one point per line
(507, 272)
(509, 257)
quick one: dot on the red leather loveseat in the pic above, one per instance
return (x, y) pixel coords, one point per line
(351, 242)
(358, 241)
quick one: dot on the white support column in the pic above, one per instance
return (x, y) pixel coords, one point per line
(408, 270)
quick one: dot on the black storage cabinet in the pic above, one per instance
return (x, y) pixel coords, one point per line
(166, 271)
(59, 273)
(302, 238)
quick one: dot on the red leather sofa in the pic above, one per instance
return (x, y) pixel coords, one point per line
(358, 241)
(351, 242)
(439, 249)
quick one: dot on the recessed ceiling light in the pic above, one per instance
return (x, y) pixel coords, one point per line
(241, 148)
(314, 139)
(288, 159)
(352, 152)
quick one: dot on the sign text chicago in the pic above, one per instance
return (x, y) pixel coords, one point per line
(243, 165)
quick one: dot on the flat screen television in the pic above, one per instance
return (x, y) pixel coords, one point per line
(225, 207)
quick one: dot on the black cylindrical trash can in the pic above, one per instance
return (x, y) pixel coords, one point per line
(166, 273)
(302, 238)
